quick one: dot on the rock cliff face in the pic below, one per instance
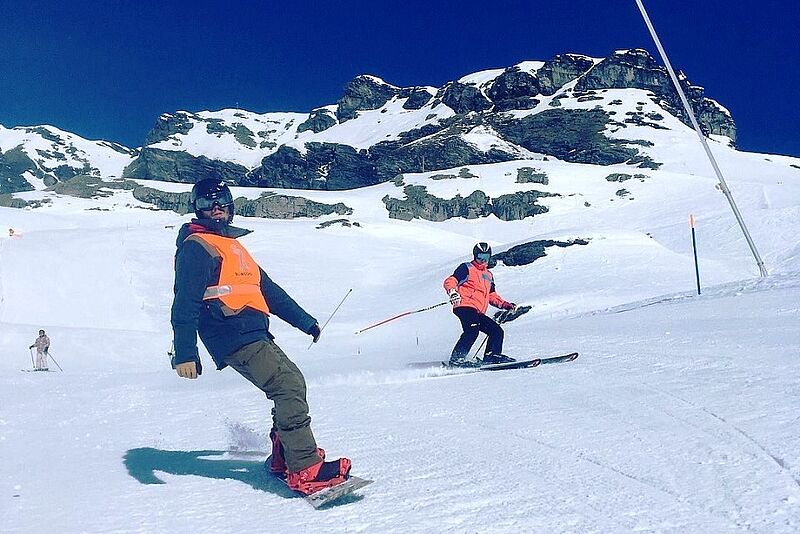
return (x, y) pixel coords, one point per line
(562, 108)
(172, 166)
(419, 204)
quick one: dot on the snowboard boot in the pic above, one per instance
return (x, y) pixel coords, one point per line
(276, 463)
(491, 359)
(463, 362)
(319, 476)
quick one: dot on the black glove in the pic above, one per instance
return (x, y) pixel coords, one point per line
(46, 349)
(314, 332)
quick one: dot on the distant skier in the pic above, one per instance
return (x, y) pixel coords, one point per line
(471, 290)
(42, 345)
(222, 294)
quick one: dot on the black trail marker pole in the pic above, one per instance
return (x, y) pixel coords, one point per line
(694, 248)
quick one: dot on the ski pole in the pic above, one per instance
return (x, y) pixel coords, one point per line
(332, 314)
(46, 354)
(403, 315)
(33, 364)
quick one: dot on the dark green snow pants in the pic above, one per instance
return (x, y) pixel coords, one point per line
(264, 364)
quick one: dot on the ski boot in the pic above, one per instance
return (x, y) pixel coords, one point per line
(492, 359)
(319, 476)
(276, 463)
(464, 363)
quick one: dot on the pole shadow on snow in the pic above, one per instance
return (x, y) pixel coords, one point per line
(142, 463)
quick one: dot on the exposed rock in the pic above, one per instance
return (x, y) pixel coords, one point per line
(417, 97)
(273, 206)
(529, 175)
(319, 121)
(13, 164)
(561, 69)
(527, 253)
(574, 135)
(362, 93)
(168, 125)
(323, 166)
(172, 166)
(514, 89)
(419, 204)
(637, 69)
(85, 186)
(463, 98)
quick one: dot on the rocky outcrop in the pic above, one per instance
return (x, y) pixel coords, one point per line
(637, 69)
(463, 98)
(168, 125)
(561, 69)
(13, 164)
(362, 93)
(419, 204)
(274, 206)
(323, 166)
(173, 166)
(527, 253)
(574, 135)
(514, 89)
(417, 97)
(319, 121)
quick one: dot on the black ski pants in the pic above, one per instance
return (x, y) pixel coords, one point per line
(474, 322)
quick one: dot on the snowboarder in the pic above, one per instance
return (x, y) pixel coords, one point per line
(42, 345)
(471, 290)
(223, 295)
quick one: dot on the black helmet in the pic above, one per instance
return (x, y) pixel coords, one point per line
(482, 249)
(41, 332)
(208, 192)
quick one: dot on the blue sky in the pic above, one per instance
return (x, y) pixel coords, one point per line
(107, 70)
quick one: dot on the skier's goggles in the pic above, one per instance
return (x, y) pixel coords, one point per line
(207, 204)
(484, 257)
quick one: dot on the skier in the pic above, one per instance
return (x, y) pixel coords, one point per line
(471, 290)
(223, 295)
(42, 345)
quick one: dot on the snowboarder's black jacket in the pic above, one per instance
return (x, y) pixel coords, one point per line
(195, 270)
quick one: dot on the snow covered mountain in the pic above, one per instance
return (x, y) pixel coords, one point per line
(680, 415)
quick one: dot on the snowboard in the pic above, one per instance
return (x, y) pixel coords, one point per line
(331, 495)
(327, 495)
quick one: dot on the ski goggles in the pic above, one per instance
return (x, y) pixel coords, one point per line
(484, 257)
(207, 204)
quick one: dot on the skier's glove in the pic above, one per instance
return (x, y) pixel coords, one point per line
(455, 298)
(315, 332)
(186, 370)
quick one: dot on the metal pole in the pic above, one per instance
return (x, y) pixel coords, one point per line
(722, 183)
(402, 315)
(694, 248)
(33, 364)
(46, 354)
(332, 314)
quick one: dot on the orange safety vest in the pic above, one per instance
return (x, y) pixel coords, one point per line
(239, 284)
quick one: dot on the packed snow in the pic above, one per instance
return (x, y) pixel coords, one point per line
(680, 415)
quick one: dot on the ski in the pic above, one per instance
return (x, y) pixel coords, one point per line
(521, 364)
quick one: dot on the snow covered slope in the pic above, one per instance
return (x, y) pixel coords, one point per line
(680, 415)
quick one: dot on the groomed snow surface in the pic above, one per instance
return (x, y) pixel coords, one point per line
(680, 415)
